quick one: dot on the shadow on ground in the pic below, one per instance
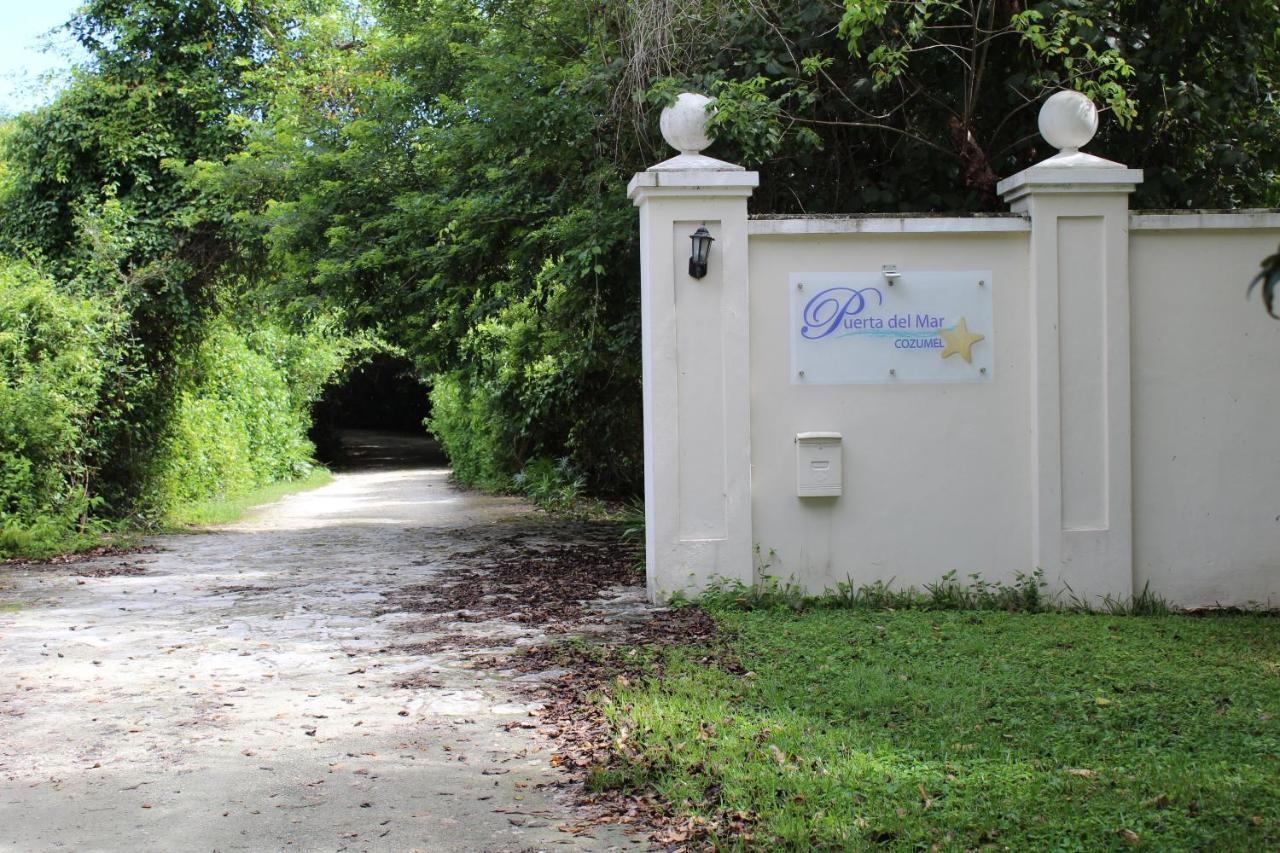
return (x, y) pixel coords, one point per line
(377, 450)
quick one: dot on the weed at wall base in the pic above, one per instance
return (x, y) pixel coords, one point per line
(1026, 594)
(1145, 603)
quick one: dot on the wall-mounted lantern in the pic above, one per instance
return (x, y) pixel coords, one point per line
(702, 241)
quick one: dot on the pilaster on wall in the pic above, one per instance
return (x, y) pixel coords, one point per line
(1081, 488)
(696, 356)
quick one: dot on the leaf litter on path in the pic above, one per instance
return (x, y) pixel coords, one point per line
(555, 579)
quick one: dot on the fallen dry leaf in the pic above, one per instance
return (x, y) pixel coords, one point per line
(925, 798)
(554, 584)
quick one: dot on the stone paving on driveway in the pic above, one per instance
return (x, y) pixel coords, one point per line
(236, 690)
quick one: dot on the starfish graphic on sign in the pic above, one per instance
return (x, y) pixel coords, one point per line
(960, 341)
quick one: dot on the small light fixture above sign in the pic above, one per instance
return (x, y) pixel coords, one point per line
(702, 241)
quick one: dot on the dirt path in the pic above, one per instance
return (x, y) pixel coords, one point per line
(237, 690)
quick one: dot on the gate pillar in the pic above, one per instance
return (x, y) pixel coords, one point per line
(1082, 479)
(696, 361)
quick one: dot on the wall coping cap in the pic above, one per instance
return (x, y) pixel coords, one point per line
(693, 183)
(695, 162)
(1070, 172)
(1189, 220)
(777, 226)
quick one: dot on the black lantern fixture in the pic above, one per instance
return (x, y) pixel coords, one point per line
(702, 241)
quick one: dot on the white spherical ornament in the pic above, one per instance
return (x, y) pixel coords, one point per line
(684, 123)
(1068, 120)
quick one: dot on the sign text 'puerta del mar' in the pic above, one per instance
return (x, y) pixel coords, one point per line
(890, 326)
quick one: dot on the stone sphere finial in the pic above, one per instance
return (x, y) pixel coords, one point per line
(684, 123)
(1068, 120)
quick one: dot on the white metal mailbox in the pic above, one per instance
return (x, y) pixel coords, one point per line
(818, 470)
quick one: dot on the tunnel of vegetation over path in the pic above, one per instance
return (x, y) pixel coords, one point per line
(381, 394)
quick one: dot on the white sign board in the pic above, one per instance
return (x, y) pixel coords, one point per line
(886, 327)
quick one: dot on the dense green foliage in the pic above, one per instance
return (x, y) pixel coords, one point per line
(238, 422)
(498, 253)
(453, 172)
(449, 175)
(53, 357)
(532, 386)
(960, 730)
(162, 389)
(95, 194)
(241, 421)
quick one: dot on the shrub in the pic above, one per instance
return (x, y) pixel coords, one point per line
(1027, 594)
(53, 352)
(537, 381)
(551, 484)
(242, 421)
(461, 418)
(70, 386)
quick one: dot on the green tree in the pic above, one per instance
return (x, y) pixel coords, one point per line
(96, 193)
(923, 105)
(450, 173)
(455, 182)
(1208, 100)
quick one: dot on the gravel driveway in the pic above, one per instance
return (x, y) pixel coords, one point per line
(238, 690)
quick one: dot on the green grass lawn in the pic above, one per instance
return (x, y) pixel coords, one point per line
(227, 510)
(855, 729)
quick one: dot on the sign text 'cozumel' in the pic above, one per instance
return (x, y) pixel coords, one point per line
(891, 326)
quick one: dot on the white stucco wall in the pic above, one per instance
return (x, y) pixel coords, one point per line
(936, 477)
(1206, 410)
(1125, 432)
